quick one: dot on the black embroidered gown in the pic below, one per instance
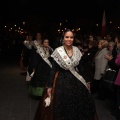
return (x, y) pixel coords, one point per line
(72, 100)
(40, 77)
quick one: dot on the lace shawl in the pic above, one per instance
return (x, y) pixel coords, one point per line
(64, 62)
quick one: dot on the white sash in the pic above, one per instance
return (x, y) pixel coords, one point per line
(42, 54)
(35, 44)
(68, 64)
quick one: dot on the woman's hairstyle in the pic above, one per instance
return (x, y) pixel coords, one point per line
(104, 43)
(67, 30)
(44, 39)
(93, 43)
(111, 43)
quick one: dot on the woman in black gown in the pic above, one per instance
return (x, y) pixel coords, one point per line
(72, 99)
(42, 66)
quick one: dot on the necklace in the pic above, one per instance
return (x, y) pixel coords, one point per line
(68, 51)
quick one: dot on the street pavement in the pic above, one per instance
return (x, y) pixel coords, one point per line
(16, 104)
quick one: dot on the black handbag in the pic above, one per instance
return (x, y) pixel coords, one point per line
(109, 78)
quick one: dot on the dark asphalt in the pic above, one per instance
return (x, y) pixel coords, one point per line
(16, 104)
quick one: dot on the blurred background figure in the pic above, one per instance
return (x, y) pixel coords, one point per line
(100, 65)
(109, 92)
(25, 55)
(116, 110)
(86, 63)
(42, 66)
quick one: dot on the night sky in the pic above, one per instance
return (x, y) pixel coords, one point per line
(52, 11)
(12, 9)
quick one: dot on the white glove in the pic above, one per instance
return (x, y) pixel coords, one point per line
(47, 101)
(32, 74)
(28, 78)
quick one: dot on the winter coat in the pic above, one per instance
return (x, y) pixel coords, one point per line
(100, 63)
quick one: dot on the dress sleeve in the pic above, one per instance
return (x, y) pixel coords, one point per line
(104, 63)
(36, 59)
(117, 61)
(55, 68)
